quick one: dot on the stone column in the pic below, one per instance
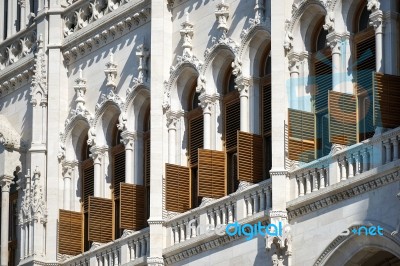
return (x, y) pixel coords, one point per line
(243, 84)
(207, 102)
(395, 142)
(334, 41)
(10, 19)
(68, 169)
(129, 139)
(321, 178)
(308, 183)
(388, 150)
(376, 20)
(97, 155)
(172, 120)
(294, 65)
(24, 16)
(5, 182)
(350, 163)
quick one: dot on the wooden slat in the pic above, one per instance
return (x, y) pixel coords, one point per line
(211, 174)
(70, 232)
(88, 182)
(118, 168)
(232, 123)
(342, 118)
(250, 163)
(301, 144)
(177, 188)
(266, 111)
(146, 139)
(196, 125)
(100, 220)
(386, 100)
(132, 206)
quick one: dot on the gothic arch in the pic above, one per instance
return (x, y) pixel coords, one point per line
(343, 248)
(187, 69)
(137, 98)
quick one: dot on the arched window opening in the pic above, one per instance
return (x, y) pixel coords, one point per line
(365, 65)
(87, 174)
(118, 175)
(231, 120)
(195, 142)
(322, 64)
(146, 162)
(266, 112)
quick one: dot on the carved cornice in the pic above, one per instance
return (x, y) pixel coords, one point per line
(16, 75)
(119, 23)
(343, 194)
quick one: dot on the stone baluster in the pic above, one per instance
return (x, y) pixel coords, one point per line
(395, 142)
(322, 178)
(308, 183)
(358, 164)
(256, 203)
(350, 163)
(388, 150)
(230, 213)
(300, 179)
(343, 172)
(365, 158)
(262, 200)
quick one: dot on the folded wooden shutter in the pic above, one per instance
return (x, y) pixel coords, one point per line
(250, 163)
(177, 188)
(232, 123)
(266, 99)
(323, 80)
(211, 174)
(70, 232)
(342, 118)
(132, 206)
(146, 140)
(386, 100)
(100, 220)
(119, 168)
(301, 126)
(88, 182)
(196, 131)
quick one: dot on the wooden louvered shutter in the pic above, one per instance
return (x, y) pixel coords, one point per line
(177, 185)
(250, 164)
(196, 131)
(70, 232)
(266, 105)
(323, 81)
(386, 100)
(211, 174)
(119, 168)
(342, 118)
(301, 136)
(132, 206)
(88, 182)
(100, 220)
(146, 140)
(232, 123)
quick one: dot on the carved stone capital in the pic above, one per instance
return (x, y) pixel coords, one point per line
(187, 33)
(294, 62)
(5, 183)
(96, 153)
(68, 168)
(376, 20)
(207, 102)
(242, 85)
(173, 118)
(334, 41)
(128, 139)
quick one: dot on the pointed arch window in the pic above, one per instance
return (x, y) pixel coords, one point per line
(266, 111)
(322, 72)
(365, 65)
(231, 118)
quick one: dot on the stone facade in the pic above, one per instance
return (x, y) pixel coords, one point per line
(78, 78)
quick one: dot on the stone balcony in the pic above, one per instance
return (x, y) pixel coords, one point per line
(346, 172)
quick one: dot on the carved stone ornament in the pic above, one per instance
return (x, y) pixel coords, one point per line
(80, 91)
(39, 79)
(224, 40)
(222, 15)
(187, 33)
(173, 118)
(111, 73)
(329, 22)
(33, 204)
(288, 41)
(9, 137)
(373, 5)
(142, 54)
(110, 97)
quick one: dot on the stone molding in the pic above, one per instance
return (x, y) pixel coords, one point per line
(342, 191)
(119, 23)
(39, 79)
